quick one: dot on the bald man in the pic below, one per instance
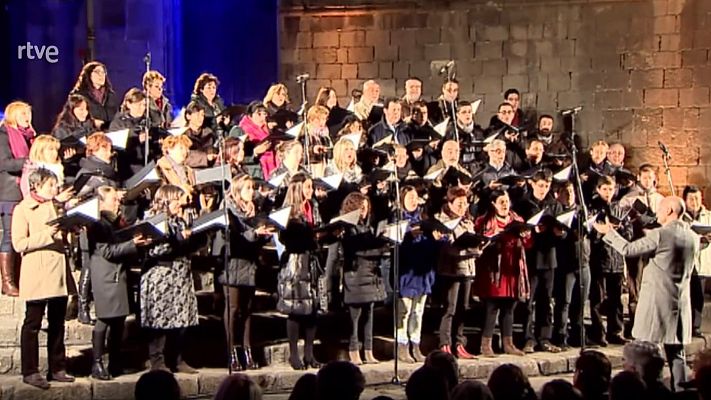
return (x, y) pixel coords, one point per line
(664, 309)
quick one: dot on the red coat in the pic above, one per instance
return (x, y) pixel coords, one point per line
(501, 268)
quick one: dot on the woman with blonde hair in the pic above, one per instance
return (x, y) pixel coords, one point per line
(16, 132)
(316, 140)
(345, 162)
(44, 153)
(277, 103)
(160, 112)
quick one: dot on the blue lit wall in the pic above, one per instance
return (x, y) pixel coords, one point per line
(234, 39)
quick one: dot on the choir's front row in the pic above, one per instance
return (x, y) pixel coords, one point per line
(482, 257)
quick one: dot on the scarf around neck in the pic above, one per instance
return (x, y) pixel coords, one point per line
(19, 139)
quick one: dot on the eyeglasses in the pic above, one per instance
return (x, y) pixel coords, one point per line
(497, 151)
(506, 112)
(157, 87)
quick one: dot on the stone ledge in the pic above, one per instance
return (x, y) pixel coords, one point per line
(278, 379)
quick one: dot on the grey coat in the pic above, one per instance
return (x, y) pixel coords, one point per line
(108, 272)
(664, 298)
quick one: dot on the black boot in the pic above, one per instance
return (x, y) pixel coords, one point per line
(235, 363)
(84, 315)
(97, 344)
(99, 372)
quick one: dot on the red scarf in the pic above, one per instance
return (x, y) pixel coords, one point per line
(38, 198)
(308, 211)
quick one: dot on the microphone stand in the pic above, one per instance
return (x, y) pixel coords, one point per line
(453, 110)
(396, 275)
(667, 171)
(582, 218)
(147, 125)
(228, 244)
(302, 112)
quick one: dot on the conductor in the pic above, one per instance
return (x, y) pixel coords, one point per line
(664, 308)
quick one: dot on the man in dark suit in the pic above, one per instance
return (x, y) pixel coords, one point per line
(664, 309)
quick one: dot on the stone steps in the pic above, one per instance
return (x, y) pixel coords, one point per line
(280, 379)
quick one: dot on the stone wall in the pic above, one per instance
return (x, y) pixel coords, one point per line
(640, 68)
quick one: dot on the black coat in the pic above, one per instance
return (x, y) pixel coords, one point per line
(297, 282)
(542, 255)
(132, 159)
(381, 130)
(103, 110)
(10, 170)
(362, 256)
(245, 246)
(108, 259)
(211, 111)
(105, 171)
(604, 258)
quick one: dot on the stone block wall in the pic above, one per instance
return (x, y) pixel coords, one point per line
(640, 68)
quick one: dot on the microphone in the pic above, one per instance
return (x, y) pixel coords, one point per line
(574, 110)
(445, 67)
(302, 77)
(663, 147)
(147, 58)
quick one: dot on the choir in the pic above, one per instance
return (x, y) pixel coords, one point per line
(397, 201)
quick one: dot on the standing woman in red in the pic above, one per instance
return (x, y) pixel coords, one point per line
(93, 83)
(16, 134)
(502, 277)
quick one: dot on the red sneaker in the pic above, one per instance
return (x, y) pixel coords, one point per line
(446, 349)
(463, 354)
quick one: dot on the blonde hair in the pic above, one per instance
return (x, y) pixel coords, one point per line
(315, 112)
(11, 112)
(339, 150)
(600, 143)
(42, 143)
(151, 76)
(172, 141)
(274, 90)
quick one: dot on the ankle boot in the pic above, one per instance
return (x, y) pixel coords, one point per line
(403, 354)
(7, 270)
(84, 313)
(354, 357)
(98, 371)
(370, 358)
(235, 364)
(249, 360)
(510, 348)
(486, 350)
(417, 353)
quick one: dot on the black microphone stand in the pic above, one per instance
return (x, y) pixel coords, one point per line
(450, 77)
(147, 125)
(301, 80)
(395, 268)
(667, 171)
(228, 243)
(582, 218)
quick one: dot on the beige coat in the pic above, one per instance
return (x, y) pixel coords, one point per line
(44, 268)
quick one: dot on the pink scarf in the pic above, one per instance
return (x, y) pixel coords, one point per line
(19, 139)
(256, 134)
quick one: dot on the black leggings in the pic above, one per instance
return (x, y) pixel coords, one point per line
(503, 307)
(114, 326)
(237, 316)
(293, 325)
